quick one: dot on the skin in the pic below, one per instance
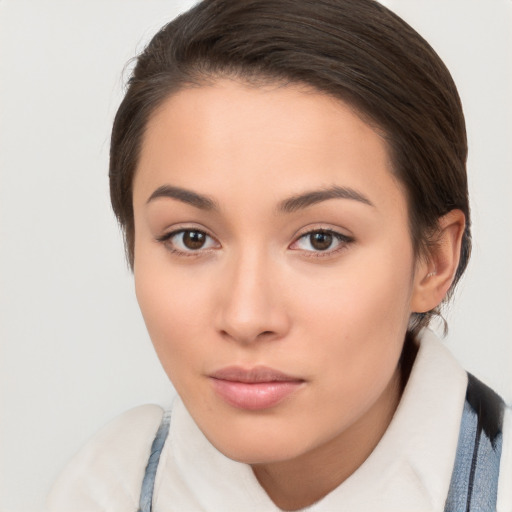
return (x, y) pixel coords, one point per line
(258, 292)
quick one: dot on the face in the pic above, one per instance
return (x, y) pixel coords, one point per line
(273, 265)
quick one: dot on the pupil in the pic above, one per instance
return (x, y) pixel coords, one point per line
(193, 239)
(321, 241)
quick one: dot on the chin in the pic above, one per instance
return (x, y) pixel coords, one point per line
(259, 444)
(258, 453)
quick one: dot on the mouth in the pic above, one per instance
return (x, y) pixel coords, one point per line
(255, 388)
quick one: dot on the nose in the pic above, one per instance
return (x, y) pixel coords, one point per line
(251, 301)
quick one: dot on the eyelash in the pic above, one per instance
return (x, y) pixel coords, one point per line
(343, 242)
(166, 241)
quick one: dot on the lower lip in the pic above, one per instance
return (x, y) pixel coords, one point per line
(254, 396)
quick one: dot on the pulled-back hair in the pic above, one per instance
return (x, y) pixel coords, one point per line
(354, 50)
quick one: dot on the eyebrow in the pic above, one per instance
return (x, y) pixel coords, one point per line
(312, 197)
(290, 205)
(185, 196)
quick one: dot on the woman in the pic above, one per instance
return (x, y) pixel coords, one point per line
(290, 178)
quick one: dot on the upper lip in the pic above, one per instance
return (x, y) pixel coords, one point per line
(253, 375)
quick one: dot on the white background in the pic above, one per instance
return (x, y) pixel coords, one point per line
(74, 351)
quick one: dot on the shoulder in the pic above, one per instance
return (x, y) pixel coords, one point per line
(106, 474)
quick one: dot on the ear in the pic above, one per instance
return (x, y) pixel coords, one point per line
(435, 271)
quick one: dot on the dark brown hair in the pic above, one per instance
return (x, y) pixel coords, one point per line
(355, 50)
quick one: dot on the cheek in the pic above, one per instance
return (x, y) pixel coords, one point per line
(369, 293)
(175, 307)
(359, 321)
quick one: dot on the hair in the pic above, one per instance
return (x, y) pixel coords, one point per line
(354, 50)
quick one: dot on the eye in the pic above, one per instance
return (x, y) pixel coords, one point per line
(188, 241)
(321, 240)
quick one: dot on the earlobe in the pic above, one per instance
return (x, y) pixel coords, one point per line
(435, 272)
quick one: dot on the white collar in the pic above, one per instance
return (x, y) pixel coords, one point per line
(409, 470)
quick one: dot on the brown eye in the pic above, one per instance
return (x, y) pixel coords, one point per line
(188, 241)
(321, 241)
(194, 240)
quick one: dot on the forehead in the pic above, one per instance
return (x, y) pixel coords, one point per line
(231, 138)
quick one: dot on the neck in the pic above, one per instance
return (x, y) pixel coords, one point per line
(300, 482)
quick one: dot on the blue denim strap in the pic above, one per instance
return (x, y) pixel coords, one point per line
(148, 483)
(474, 483)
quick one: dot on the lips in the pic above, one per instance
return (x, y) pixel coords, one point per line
(255, 388)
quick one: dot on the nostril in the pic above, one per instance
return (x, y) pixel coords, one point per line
(246, 337)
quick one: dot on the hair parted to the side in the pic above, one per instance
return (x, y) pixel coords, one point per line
(354, 50)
